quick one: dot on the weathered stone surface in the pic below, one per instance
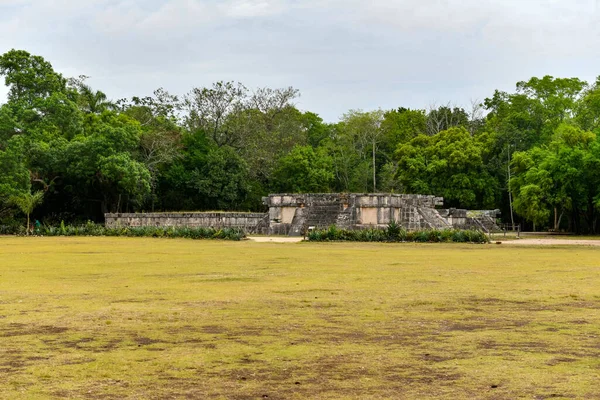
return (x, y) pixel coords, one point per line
(294, 214)
(250, 222)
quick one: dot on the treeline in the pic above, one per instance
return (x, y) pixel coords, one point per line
(69, 153)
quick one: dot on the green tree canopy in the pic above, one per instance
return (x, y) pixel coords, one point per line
(305, 170)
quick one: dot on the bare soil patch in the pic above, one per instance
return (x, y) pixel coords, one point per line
(551, 242)
(275, 239)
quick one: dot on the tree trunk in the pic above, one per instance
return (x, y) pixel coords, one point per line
(560, 219)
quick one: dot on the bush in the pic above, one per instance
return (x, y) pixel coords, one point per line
(9, 229)
(91, 229)
(395, 233)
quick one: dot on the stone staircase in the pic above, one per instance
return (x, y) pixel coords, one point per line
(322, 215)
(298, 226)
(431, 219)
(484, 223)
(319, 215)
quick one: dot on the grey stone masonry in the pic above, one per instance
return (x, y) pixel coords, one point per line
(294, 214)
(249, 222)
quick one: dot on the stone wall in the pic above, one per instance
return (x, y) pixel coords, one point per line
(250, 222)
(293, 214)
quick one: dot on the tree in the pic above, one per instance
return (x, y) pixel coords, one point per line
(261, 126)
(14, 176)
(401, 125)
(161, 107)
(101, 167)
(553, 179)
(161, 138)
(159, 149)
(531, 187)
(29, 78)
(27, 202)
(345, 158)
(530, 116)
(316, 130)
(221, 181)
(206, 177)
(365, 130)
(448, 164)
(40, 104)
(587, 110)
(211, 109)
(90, 100)
(445, 117)
(304, 170)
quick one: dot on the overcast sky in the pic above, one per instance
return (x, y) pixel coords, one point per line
(341, 54)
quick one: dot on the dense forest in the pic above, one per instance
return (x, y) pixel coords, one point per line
(69, 150)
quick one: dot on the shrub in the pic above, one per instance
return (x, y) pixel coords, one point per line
(9, 229)
(421, 236)
(91, 229)
(395, 233)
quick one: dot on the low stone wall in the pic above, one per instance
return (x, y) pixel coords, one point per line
(250, 222)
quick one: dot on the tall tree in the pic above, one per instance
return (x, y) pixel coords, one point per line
(29, 78)
(402, 125)
(445, 117)
(448, 164)
(211, 109)
(552, 180)
(304, 170)
(365, 130)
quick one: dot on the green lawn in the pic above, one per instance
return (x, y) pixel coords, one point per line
(167, 319)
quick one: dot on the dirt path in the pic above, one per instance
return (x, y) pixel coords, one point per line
(551, 242)
(519, 242)
(275, 239)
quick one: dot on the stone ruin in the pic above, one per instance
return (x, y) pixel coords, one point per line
(294, 214)
(251, 223)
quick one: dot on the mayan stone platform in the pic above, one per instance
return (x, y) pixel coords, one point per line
(294, 214)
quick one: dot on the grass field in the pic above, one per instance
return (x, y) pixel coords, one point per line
(119, 318)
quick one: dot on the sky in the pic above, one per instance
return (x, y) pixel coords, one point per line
(340, 54)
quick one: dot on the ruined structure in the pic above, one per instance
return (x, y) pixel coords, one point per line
(250, 222)
(294, 214)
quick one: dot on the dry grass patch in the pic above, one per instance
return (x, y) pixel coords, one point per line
(121, 318)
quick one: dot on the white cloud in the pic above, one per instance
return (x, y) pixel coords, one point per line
(251, 8)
